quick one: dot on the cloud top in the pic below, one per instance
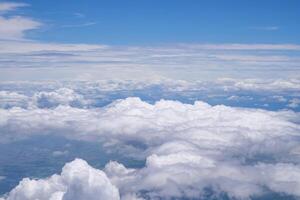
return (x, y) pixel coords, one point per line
(77, 181)
(188, 149)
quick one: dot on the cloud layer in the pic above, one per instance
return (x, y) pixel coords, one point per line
(268, 94)
(188, 150)
(194, 62)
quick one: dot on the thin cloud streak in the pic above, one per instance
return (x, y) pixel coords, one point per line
(10, 6)
(79, 25)
(265, 28)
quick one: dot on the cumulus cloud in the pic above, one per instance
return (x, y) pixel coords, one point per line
(11, 99)
(188, 149)
(42, 99)
(77, 181)
(186, 174)
(61, 96)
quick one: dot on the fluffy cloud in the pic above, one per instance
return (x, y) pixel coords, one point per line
(186, 174)
(51, 94)
(42, 99)
(77, 181)
(61, 96)
(11, 99)
(189, 149)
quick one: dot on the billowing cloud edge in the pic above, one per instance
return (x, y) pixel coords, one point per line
(187, 148)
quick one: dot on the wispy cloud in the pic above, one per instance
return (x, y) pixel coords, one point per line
(12, 26)
(265, 28)
(10, 6)
(16, 26)
(79, 15)
(172, 61)
(79, 25)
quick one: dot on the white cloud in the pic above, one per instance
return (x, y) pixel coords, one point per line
(79, 25)
(182, 174)
(10, 6)
(60, 153)
(12, 99)
(184, 61)
(260, 84)
(279, 98)
(77, 181)
(187, 148)
(15, 27)
(61, 96)
(42, 99)
(91, 94)
(294, 103)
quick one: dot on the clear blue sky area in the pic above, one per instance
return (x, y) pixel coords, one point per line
(166, 21)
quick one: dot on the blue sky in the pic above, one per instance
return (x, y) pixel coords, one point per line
(189, 40)
(169, 21)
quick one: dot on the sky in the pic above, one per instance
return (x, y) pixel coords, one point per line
(147, 100)
(141, 22)
(186, 40)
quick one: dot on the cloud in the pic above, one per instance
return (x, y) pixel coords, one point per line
(10, 6)
(93, 94)
(34, 59)
(42, 99)
(77, 181)
(60, 153)
(79, 15)
(294, 103)
(15, 27)
(61, 96)
(187, 149)
(186, 174)
(79, 25)
(11, 99)
(265, 28)
(203, 61)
